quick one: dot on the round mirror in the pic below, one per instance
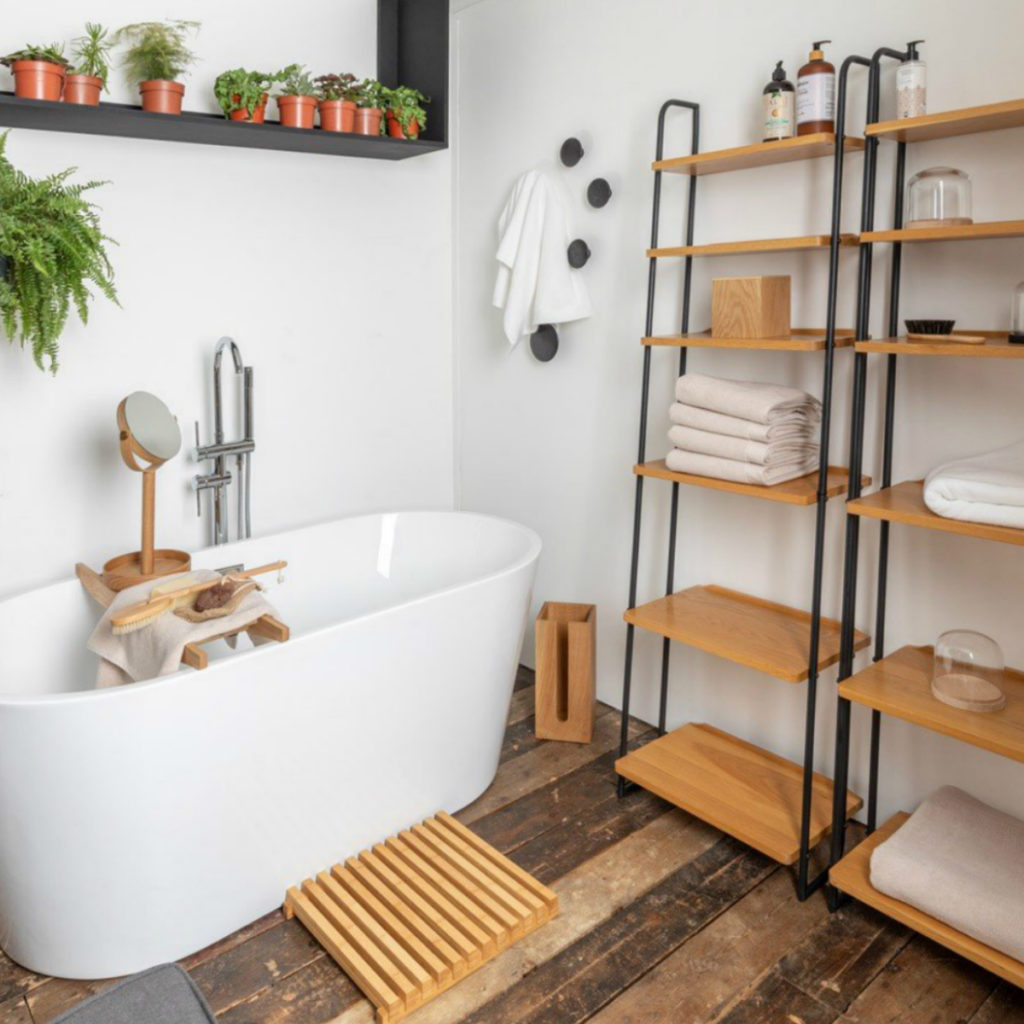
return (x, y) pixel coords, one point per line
(153, 428)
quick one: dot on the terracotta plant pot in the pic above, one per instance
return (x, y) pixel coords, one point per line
(337, 115)
(368, 120)
(83, 89)
(160, 97)
(396, 131)
(37, 79)
(257, 115)
(297, 111)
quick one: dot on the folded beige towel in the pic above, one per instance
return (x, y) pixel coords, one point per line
(962, 862)
(156, 649)
(746, 400)
(774, 453)
(738, 472)
(798, 424)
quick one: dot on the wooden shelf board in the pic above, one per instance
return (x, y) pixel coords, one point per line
(739, 788)
(800, 340)
(900, 685)
(760, 154)
(802, 491)
(852, 875)
(990, 117)
(803, 243)
(904, 503)
(954, 233)
(997, 346)
(127, 121)
(762, 635)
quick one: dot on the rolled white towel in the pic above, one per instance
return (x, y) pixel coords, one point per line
(798, 424)
(747, 400)
(738, 472)
(986, 488)
(775, 453)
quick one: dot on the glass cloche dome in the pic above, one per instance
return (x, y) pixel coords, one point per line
(967, 670)
(939, 197)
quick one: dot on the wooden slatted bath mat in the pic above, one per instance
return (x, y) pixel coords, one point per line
(414, 915)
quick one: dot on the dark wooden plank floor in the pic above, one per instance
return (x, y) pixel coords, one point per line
(663, 919)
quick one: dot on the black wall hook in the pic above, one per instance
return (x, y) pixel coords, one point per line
(571, 152)
(544, 343)
(579, 253)
(598, 193)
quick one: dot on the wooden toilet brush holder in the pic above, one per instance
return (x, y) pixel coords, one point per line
(566, 639)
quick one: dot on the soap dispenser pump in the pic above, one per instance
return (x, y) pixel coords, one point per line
(912, 84)
(779, 106)
(816, 93)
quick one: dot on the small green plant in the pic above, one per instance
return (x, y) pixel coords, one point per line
(244, 90)
(92, 53)
(52, 54)
(157, 51)
(54, 249)
(371, 94)
(295, 81)
(406, 106)
(339, 87)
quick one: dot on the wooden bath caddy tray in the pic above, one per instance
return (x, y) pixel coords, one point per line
(417, 913)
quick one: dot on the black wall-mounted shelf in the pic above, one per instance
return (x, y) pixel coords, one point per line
(412, 49)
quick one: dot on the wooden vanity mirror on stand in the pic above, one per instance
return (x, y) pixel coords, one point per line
(149, 436)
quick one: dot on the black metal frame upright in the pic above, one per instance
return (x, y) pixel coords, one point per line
(852, 549)
(804, 885)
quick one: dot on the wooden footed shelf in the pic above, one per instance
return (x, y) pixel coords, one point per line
(904, 503)
(800, 340)
(760, 154)
(802, 491)
(950, 233)
(900, 685)
(802, 243)
(852, 875)
(739, 788)
(417, 913)
(997, 345)
(990, 117)
(762, 635)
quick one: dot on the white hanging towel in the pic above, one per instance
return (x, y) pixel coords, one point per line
(987, 488)
(535, 283)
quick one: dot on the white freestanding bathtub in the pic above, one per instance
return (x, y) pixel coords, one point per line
(142, 823)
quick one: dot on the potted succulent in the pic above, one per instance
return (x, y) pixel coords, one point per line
(405, 113)
(55, 253)
(370, 107)
(296, 102)
(156, 58)
(338, 96)
(87, 77)
(38, 71)
(243, 95)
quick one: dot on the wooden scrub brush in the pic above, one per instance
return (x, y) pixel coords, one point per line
(140, 615)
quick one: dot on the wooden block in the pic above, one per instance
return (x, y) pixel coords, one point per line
(750, 307)
(566, 636)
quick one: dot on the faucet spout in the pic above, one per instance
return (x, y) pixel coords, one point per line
(218, 400)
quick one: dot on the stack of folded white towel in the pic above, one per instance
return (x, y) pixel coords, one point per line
(986, 488)
(743, 431)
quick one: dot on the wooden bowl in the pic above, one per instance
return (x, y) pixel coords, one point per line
(126, 570)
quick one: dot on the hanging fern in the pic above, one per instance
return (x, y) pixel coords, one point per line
(51, 251)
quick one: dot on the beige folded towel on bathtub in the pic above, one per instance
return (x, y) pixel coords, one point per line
(962, 862)
(798, 424)
(156, 649)
(746, 400)
(739, 472)
(771, 454)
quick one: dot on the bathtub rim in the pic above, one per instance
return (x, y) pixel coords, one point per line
(535, 546)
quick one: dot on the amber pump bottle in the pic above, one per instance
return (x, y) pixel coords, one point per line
(816, 93)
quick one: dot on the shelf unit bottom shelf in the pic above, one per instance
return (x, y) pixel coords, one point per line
(852, 875)
(740, 788)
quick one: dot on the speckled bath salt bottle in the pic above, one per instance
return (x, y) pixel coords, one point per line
(912, 84)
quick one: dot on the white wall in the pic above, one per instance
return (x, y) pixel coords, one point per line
(332, 274)
(552, 445)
